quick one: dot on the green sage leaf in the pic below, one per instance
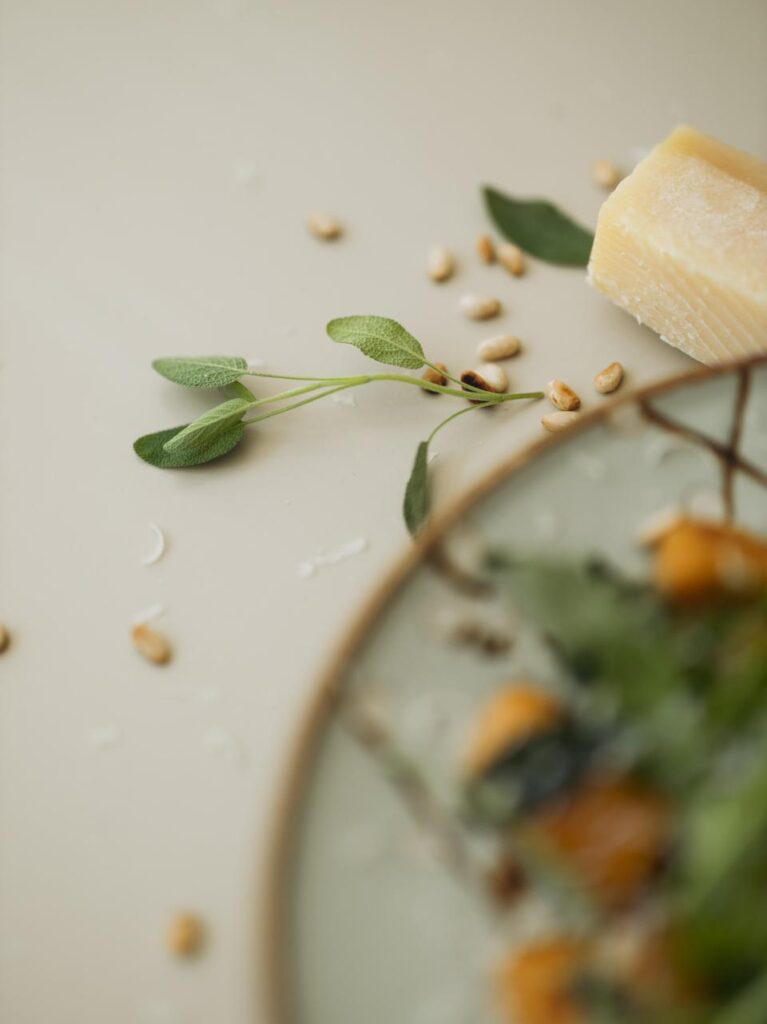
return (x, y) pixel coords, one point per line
(540, 228)
(151, 448)
(382, 339)
(415, 507)
(202, 371)
(238, 390)
(204, 431)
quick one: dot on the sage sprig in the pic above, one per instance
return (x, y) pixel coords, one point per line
(220, 429)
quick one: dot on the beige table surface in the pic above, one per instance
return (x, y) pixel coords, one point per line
(159, 159)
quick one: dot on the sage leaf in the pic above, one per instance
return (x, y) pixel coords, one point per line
(415, 507)
(540, 228)
(203, 432)
(238, 390)
(382, 339)
(151, 448)
(202, 371)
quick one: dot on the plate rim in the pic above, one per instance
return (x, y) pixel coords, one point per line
(318, 705)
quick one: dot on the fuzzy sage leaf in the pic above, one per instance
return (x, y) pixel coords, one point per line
(382, 339)
(151, 447)
(540, 228)
(415, 507)
(202, 371)
(204, 432)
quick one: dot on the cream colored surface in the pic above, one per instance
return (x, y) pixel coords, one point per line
(682, 246)
(159, 163)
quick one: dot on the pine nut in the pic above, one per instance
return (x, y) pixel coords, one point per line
(500, 346)
(480, 307)
(488, 377)
(556, 421)
(606, 174)
(5, 638)
(185, 935)
(512, 258)
(150, 644)
(440, 263)
(562, 396)
(609, 379)
(324, 227)
(486, 249)
(435, 377)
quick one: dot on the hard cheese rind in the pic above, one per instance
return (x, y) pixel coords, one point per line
(681, 244)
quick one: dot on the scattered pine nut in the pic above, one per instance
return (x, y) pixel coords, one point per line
(185, 935)
(5, 638)
(500, 346)
(606, 174)
(512, 258)
(324, 227)
(609, 379)
(486, 249)
(435, 377)
(480, 307)
(556, 421)
(150, 644)
(562, 396)
(488, 377)
(440, 264)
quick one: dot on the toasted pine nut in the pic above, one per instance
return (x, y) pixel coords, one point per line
(500, 346)
(185, 935)
(434, 377)
(609, 379)
(486, 249)
(5, 638)
(150, 644)
(488, 377)
(480, 307)
(606, 174)
(324, 227)
(556, 421)
(440, 263)
(563, 396)
(512, 258)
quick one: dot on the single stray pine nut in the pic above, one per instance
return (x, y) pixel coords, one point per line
(500, 346)
(5, 638)
(512, 258)
(434, 376)
(556, 421)
(440, 264)
(609, 379)
(606, 174)
(150, 644)
(185, 935)
(480, 307)
(486, 249)
(324, 227)
(563, 396)
(488, 377)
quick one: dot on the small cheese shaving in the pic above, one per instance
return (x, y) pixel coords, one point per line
(324, 558)
(342, 399)
(154, 611)
(158, 550)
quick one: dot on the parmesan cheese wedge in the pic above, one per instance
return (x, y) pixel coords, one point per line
(681, 244)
